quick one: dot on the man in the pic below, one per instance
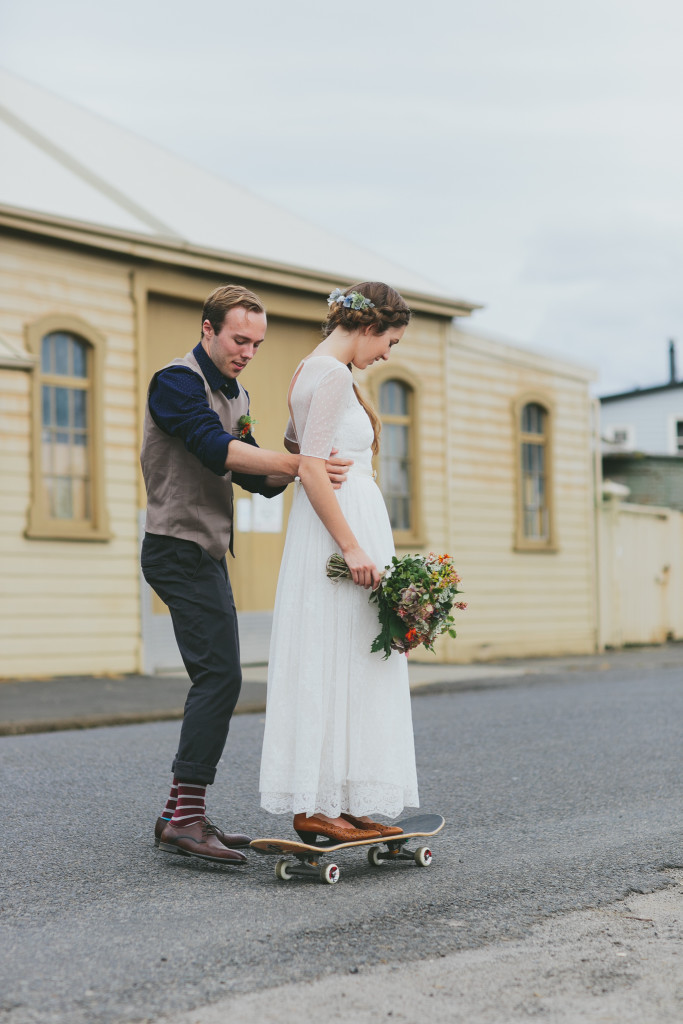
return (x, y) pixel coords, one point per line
(197, 442)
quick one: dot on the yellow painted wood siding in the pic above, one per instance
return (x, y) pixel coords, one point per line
(68, 606)
(519, 602)
(420, 358)
(73, 606)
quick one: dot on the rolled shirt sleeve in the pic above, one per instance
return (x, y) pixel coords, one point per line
(252, 483)
(178, 406)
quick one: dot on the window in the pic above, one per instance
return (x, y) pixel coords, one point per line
(678, 438)
(395, 457)
(68, 498)
(65, 448)
(534, 514)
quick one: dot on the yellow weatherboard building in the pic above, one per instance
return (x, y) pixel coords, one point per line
(108, 247)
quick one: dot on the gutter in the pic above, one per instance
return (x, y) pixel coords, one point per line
(179, 253)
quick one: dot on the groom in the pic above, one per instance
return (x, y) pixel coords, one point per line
(197, 442)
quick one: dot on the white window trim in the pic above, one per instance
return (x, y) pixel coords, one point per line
(674, 420)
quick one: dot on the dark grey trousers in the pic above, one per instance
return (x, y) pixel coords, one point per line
(197, 590)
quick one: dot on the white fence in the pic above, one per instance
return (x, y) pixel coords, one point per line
(641, 574)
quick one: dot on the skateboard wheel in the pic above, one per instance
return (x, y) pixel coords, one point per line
(329, 873)
(423, 856)
(375, 856)
(282, 870)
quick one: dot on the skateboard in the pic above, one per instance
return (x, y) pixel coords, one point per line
(305, 859)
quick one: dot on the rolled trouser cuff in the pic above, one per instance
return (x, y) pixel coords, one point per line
(190, 771)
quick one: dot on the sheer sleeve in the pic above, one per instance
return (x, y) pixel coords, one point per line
(290, 432)
(328, 404)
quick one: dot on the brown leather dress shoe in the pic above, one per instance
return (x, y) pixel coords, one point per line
(226, 838)
(197, 840)
(384, 830)
(309, 828)
(161, 824)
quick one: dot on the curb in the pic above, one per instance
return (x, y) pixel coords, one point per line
(418, 689)
(103, 721)
(426, 680)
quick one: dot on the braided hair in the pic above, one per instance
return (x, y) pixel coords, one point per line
(389, 309)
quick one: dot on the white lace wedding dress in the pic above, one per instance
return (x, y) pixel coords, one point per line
(338, 733)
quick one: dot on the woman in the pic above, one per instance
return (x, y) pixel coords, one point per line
(338, 744)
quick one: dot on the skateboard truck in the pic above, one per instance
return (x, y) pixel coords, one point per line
(308, 866)
(395, 851)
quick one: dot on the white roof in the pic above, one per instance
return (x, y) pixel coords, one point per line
(62, 160)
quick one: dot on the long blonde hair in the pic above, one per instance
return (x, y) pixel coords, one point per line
(389, 309)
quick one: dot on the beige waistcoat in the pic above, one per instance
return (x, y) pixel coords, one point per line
(184, 498)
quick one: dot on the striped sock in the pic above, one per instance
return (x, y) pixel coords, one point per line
(190, 806)
(168, 810)
(172, 801)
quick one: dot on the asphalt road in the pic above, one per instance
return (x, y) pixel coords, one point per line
(561, 792)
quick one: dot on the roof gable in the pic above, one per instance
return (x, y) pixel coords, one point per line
(64, 161)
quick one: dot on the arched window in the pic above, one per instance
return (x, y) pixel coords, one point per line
(396, 453)
(66, 443)
(68, 492)
(534, 506)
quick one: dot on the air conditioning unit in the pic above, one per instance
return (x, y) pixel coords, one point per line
(620, 438)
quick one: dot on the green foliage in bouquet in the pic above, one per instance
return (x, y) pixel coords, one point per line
(415, 597)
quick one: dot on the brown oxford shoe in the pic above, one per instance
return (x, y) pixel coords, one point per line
(161, 824)
(384, 830)
(198, 840)
(227, 838)
(309, 828)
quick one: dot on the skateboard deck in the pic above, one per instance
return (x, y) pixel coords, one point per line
(304, 858)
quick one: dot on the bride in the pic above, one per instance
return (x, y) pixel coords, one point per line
(338, 746)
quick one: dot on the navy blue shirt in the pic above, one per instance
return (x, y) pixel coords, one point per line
(178, 406)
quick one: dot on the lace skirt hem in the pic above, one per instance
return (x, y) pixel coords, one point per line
(358, 799)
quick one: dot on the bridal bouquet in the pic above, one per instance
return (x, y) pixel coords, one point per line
(414, 600)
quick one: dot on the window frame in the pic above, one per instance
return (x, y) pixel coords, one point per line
(382, 375)
(674, 420)
(521, 541)
(41, 525)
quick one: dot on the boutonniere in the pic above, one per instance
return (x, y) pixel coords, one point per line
(244, 425)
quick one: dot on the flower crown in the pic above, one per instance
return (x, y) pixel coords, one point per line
(356, 300)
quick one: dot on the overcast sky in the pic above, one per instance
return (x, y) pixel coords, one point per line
(524, 154)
